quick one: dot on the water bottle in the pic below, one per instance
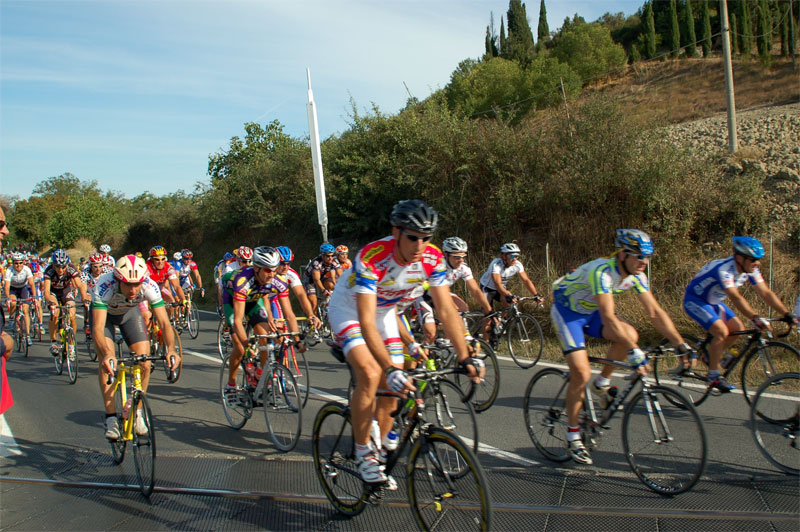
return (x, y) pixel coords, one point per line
(250, 369)
(727, 359)
(375, 434)
(611, 394)
(391, 441)
(498, 329)
(126, 409)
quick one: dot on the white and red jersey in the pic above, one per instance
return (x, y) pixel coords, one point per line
(454, 274)
(375, 271)
(187, 268)
(163, 275)
(293, 278)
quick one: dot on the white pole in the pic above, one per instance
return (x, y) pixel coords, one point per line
(316, 159)
(547, 260)
(733, 143)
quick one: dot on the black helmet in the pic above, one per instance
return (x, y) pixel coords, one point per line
(415, 215)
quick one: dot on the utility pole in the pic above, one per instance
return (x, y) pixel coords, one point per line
(726, 60)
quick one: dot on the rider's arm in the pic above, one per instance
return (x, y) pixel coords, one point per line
(316, 276)
(98, 333)
(160, 313)
(740, 302)
(498, 284)
(770, 298)
(7, 285)
(528, 283)
(367, 306)
(81, 287)
(477, 293)
(605, 305)
(238, 316)
(660, 319)
(305, 304)
(198, 278)
(288, 313)
(32, 284)
(451, 322)
(178, 290)
(47, 295)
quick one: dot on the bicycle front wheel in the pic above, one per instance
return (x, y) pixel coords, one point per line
(765, 361)
(525, 340)
(237, 408)
(445, 407)
(283, 408)
(665, 444)
(296, 361)
(439, 499)
(775, 421)
(179, 349)
(224, 342)
(144, 445)
(544, 408)
(486, 392)
(58, 360)
(89, 346)
(194, 322)
(118, 445)
(72, 357)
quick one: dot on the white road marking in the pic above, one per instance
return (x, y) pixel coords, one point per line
(9, 444)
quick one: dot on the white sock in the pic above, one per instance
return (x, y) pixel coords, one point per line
(601, 381)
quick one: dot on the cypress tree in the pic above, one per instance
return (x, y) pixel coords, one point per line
(735, 46)
(764, 30)
(745, 42)
(649, 32)
(520, 36)
(691, 37)
(488, 44)
(674, 31)
(503, 45)
(707, 30)
(543, 32)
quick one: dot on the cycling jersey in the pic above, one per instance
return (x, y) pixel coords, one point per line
(714, 278)
(107, 295)
(454, 274)
(110, 259)
(578, 289)
(18, 279)
(60, 282)
(506, 273)
(186, 269)
(243, 286)
(293, 278)
(167, 273)
(319, 265)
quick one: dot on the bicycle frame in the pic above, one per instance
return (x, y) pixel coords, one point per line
(136, 389)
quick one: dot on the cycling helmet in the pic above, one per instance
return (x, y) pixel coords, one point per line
(454, 245)
(509, 247)
(634, 241)
(327, 248)
(130, 269)
(227, 256)
(158, 251)
(187, 254)
(18, 256)
(96, 258)
(177, 255)
(266, 257)
(286, 254)
(748, 246)
(415, 215)
(105, 248)
(341, 248)
(60, 257)
(244, 253)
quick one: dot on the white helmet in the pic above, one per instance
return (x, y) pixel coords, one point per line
(131, 269)
(509, 247)
(454, 245)
(105, 248)
(177, 255)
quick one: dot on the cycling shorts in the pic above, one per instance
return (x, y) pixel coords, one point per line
(491, 294)
(186, 283)
(254, 311)
(311, 289)
(24, 292)
(131, 326)
(572, 327)
(347, 329)
(705, 313)
(64, 296)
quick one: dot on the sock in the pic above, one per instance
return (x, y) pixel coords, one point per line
(573, 433)
(601, 381)
(713, 374)
(363, 450)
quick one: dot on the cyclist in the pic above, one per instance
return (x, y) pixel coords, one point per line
(721, 278)
(6, 342)
(97, 267)
(320, 274)
(244, 296)
(292, 278)
(20, 287)
(59, 280)
(105, 249)
(38, 275)
(363, 317)
(165, 277)
(116, 303)
(584, 304)
(341, 256)
(188, 268)
(175, 262)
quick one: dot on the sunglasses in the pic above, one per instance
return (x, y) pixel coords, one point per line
(18, 263)
(640, 256)
(329, 255)
(264, 268)
(159, 259)
(513, 255)
(415, 238)
(2, 224)
(285, 263)
(458, 257)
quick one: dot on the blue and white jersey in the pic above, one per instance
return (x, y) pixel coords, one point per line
(711, 282)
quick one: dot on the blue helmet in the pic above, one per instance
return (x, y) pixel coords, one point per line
(327, 248)
(286, 254)
(748, 246)
(227, 256)
(634, 241)
(60, 257)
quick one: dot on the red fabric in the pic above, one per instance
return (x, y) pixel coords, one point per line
(6, 399)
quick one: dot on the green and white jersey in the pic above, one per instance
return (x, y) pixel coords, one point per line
(578, 289)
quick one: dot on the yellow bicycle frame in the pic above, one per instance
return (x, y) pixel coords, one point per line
(120, 387)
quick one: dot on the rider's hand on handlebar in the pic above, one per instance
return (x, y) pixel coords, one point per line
(399, 381)
(761, 323)
(109, 365)
(791, 319)
(272, 325)
(316, 323)
(475, 367)
(510, 298)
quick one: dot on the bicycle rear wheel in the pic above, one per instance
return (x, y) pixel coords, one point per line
(283, 408)
(163, 351)
(445, 407)
(224, 342)
(193, 322)
(296, 361)
(765, 361)
(525, 340)
(544, 409)
(439, 499)
(665, 444)
(144, 446)
(118, 445)
(58, 360)
(775, 421)
(239, 409)
(72, 357)
(89, 346)
(334, 452)
(486, 392)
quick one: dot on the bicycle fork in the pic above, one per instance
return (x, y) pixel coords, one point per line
(656, 417)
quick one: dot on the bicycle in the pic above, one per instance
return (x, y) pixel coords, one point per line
(446, 485)
(322, 313)
(274, 388)
(775, 421)
(158, 345)
(762, 358)
(296, 362)
(665, 446)
(67, 345)
(132, 398)
(521, 331)
(18, 319)
(88, 341)
(188, 316)
(37, 327)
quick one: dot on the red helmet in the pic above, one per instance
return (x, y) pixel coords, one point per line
(245, 253)
(97, 258)
(341, 248)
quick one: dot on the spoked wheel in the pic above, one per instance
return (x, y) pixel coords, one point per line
(283, 409)
(144, 445)
(72, 357)
(446, 408)
(775, 421)
(473, 321)
(162, 350)
(693, 385)
(89, 346)
(770, 359)
(238, 409)
(525, 340)
(193, 322)
(665, 444)
(224, 342)
(118, 445)
(334, 452)
(296, 362)
(59, 359)
(545, 411)
(439, 499)
(486, 392)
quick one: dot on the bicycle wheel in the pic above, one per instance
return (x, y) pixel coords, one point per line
(525, 340)
(58, 360)
(165, 363)
(486, 392)
(545, 411)
(193, 322)
(283, 409)
(445, 407)
(694, 386)
(118, 445)
(334, 452)
(439, 499)
(144, 446)
(72, 357)
(765, 361)
(89, 346)
(296, 362)
(224, 342)
(665, 444)
(19, 336)
(473, 321)
(775, 421)
(238, 410)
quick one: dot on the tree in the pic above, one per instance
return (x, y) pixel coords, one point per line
(764, 31)
(784, 29)
(746, 32)
(691, 38)
(491, 39)
(503, 41)
(520, 36)
(649, 31)
(735, 41)
(674, 31)
(589, 50)
(543, 32)
(707, 30)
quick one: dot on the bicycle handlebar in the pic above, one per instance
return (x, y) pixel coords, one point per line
(133, 359)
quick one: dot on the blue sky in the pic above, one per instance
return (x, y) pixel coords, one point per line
(137, 94)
